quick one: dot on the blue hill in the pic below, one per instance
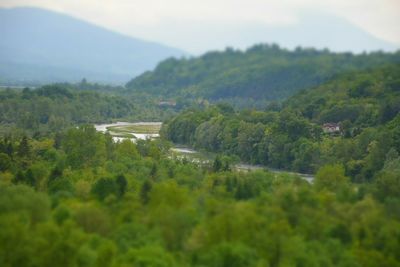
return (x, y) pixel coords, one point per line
(39, 46)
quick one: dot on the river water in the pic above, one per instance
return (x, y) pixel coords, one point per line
(137, 136)
(182, 150)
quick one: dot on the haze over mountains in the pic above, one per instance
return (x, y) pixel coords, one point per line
(42, 46)
(38, 45)
(312, 29)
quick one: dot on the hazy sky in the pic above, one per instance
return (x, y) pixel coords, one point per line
(172, 21)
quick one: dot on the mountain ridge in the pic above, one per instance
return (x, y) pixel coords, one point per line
(313, 28)
(51, 47)
(261, 72)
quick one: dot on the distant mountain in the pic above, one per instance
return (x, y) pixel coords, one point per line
(265, 72)
(311, 29)
(41, 46)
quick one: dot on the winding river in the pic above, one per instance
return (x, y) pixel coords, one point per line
(150, 130)
(131, 135)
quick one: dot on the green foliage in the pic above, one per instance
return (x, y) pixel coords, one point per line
(121, 184)
(388, 184)
(53, 108)
(144, 191)
(84, 146)
(61, 185)
(334, 101)
(293, 137)
(23, 148)
(230, 254)
(93, 220)
(150, 256)
(259, 73)
(5, 162)
(76, 198)
(331, 177)
(105, 187)
(23, 202)
(92, 215)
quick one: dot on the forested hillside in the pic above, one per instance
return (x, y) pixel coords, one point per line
(261, 72)
(365, 105)
(79, 199)
(56, 107)
(71, 196)
(367, 98)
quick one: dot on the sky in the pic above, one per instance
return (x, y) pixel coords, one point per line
(201, 25)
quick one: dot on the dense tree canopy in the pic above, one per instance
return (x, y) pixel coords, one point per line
(71, 196)
(293, 137)
(52, 108)
(259, 73)
(117, 209)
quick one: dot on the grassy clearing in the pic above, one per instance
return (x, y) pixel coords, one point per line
(140, 129)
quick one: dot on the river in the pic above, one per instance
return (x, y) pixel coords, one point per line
(131, 130)
(150, 130)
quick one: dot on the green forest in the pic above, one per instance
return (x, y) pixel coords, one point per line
(79, 199)
(73, 196)
(262, 72)
(365, 105)
(56, 107)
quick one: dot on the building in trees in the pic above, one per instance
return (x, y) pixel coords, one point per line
(331, 128)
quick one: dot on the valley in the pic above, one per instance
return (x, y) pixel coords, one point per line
(132, 153)
(150, 130)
